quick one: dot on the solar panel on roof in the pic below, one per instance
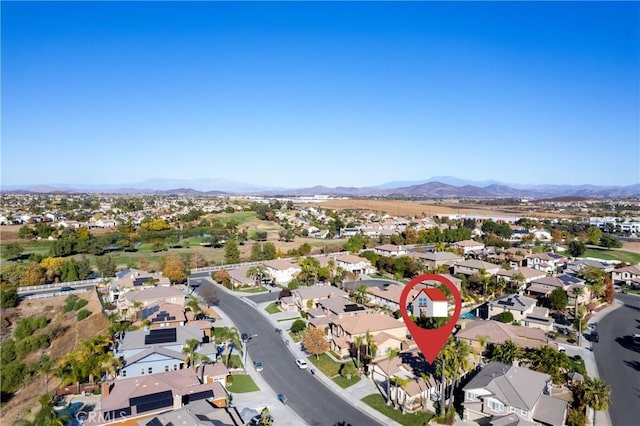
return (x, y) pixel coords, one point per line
(160, 335)
(116, 414)
(143, 399)
(197, 396)
(352, 308)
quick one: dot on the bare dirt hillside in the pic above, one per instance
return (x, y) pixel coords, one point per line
(69, 335)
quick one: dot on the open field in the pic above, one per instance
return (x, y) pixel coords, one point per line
(419, 208)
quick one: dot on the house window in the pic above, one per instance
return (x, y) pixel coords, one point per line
(175, 367)
(150, 370)
(124, 373)
(471, 396)
(496, 406)
(142, 371)
(524, 412)
(512, 409)
(166, 367)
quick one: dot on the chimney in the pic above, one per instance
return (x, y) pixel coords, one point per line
(106, 388)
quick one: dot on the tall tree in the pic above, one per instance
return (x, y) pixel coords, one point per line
(175, 269)
(576, 248)
(106, 266)
(558, 299)
(506, 352)
(391, 354)
(597, 395)
(315, 342)
(231, 252)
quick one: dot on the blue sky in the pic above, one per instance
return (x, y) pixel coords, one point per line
(337, 94)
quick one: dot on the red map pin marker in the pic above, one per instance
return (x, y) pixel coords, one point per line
(431, 341)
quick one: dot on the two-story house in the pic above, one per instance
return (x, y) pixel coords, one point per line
(468, 246)
(282, 271)
(355, 264)
(388, 331)
(390, 250)
(470, 267)
(432, 260)
(502, 394)
(629, 275)
(523, 309)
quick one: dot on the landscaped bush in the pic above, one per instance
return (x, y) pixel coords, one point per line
(80, 304)
(31, 343)
(82, 314)
(70, 303)
(26, 326)
(298, 326)
(505, 317)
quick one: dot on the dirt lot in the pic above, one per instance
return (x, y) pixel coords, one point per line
(417, 208)
(73, 333)
(631, 246)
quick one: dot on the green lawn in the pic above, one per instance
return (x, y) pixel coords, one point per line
(273, 308)
(625, 256)
(253, 290)
(325, 364)
(343, 382)
(242, 383)
(377, 402)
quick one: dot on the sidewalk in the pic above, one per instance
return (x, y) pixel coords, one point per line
(602, 417)
(352, 394)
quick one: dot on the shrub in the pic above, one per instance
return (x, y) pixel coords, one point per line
(80, 304)
(348, 370)
(70, 303)
(31, 343)
(298, 326)
(505, 317)
(82, 314)
(26, 326)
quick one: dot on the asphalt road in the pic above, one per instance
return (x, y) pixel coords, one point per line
(309, 398)
(618, 363)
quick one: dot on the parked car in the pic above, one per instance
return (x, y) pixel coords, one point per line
(255, 420)
(283, 398)
(562, 349)
(594, 337)
(66, 288)
(258, 365)
(301, 363)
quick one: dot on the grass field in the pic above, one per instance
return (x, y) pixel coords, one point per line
(344, 383)
(377, 402)
(624, 256)
(326, 364)
(242, 383)
(272, 308)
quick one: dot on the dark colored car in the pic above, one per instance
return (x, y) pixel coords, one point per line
(594, 337)
(66, 288)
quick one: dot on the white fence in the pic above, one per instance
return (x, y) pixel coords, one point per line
(58, 293)
(261, 262)
(57, 285)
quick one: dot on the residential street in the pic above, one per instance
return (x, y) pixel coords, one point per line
(307, 396)
(618, 363)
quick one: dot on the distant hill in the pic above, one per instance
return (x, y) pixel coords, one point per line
(425, 189)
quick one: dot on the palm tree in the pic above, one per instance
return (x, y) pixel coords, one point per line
(45, 367)
(597, 395)
(506, 353)
(548, 360)
(485, 278)
(70, 371)
(358, 342)
(391, 354)
(483, 345)
(190, 350)
(258, 272)
(402, 384)
(193, 304)
(460, 364)
(360, 293)
(46, 416)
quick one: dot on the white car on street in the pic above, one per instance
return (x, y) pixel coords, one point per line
(301, 363)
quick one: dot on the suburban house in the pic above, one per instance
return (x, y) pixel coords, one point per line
(502, 394)
(433, 260)
(339, 307)
(305, 298)
(152, 360)
(547, 262)
(477, 332)
(141, 397)
(134, 279)
(163, 314)
(151, 296)
(390, 250)
(386, 297)
(417, 394)
(524, 310)
(524, 274)
(239, 278)
(544, 286)
(467, 246)
(173, 338)
(198, 413)
(344, 330)
(213, 372)
(282, 271)
(470, 267)
(430, 302)
(629, 275)
(355, 264)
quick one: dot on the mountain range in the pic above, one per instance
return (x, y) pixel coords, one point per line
(437, 187)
